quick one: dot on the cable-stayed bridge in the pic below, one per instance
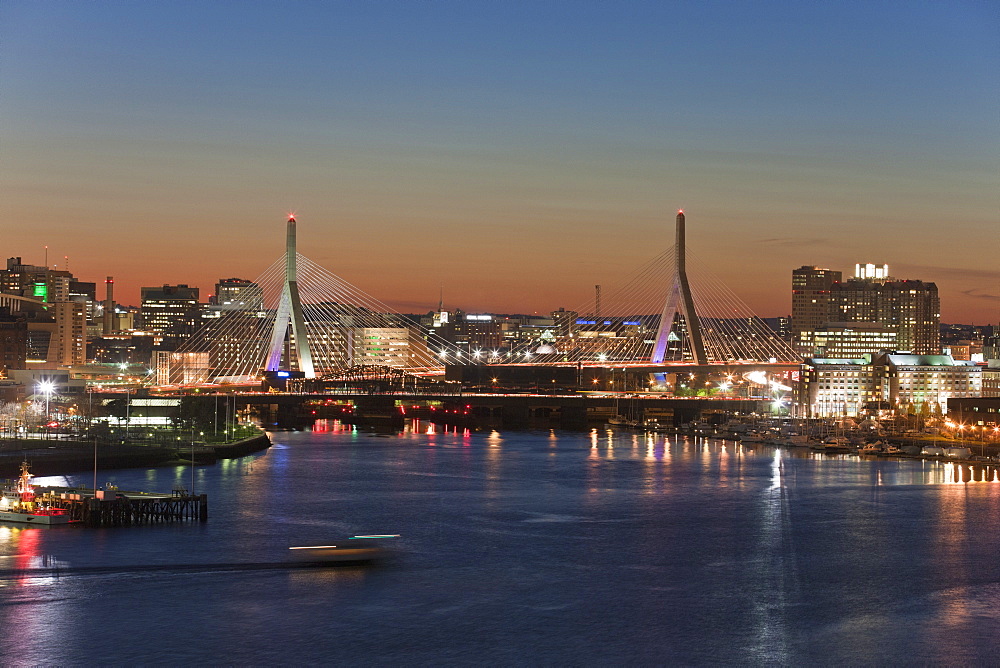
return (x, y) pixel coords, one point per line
(298, 318)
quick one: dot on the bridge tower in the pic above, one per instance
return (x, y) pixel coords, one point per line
(679, 300)
(290, 310)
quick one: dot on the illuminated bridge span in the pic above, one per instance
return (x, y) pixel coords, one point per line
(659, 316)
(298, 318)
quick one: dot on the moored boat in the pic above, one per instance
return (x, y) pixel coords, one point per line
(19, 504)
(622, 421)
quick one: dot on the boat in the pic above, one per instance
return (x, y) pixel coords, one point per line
(871, 449)
(353, 550)
(652, 424)
(19, 504)
(622, 421)
(833, 445)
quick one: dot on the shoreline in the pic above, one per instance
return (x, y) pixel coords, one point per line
(47, 459)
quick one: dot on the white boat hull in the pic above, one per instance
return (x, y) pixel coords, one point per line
(31, 518)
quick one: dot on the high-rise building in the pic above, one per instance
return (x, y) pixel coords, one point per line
(910, 308)
(238, 294)
(170, 310)
(811, 289)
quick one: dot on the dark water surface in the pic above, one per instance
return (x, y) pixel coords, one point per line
(528, 548)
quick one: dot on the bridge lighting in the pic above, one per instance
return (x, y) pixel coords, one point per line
(723, 386)
(477, 353)
(602, 358)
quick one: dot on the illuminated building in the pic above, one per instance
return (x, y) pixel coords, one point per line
(170, 310)
(991, 379)
(386, 346)
(924, 383)
(835, 387)
(564, 322)
(179, 368)
(910, 308)
(238, 294)
(811, 305)
(919, 384)
(846, 340)
(982, 412)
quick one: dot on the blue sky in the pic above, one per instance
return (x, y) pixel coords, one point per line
(552, 142)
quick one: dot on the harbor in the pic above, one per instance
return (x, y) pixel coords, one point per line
(513, 535)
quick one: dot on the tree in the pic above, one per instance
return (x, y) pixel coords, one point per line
(196, 413)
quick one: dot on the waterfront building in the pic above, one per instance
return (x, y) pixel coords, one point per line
(911, 308)
(982, 412)
(919, 384)
(991, 378)
(835, 387)
(925, 383)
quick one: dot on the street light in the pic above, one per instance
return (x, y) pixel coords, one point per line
(46, 387)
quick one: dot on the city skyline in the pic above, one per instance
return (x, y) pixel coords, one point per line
(514, 156)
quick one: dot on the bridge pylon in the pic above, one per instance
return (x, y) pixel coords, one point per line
(679, 300)
(290, 311)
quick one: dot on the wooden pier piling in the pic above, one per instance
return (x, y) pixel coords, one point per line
(131, 510)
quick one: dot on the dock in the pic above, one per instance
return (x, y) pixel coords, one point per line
(107, 508)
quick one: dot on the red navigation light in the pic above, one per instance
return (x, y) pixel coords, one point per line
(680, 210)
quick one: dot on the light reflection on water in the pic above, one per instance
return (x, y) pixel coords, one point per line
(555, 548)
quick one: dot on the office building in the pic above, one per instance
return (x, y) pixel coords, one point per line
(811, 307)
(918, 384)
(170, 310)
(846, 340)
(910, 308)
(238, 294)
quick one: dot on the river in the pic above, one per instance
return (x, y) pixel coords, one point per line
(525, 548)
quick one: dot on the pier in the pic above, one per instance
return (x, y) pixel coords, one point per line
(118, 509)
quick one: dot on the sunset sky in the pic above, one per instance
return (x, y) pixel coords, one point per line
(515, 153)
